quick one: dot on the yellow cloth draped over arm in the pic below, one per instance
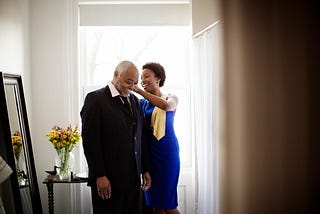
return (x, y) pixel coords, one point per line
(158, 121)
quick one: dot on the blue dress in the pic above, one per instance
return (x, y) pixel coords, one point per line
(164, 163)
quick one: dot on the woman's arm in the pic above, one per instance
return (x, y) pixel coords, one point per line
(169, 104)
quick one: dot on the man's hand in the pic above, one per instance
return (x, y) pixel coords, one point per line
(146, 181)
(104, 187)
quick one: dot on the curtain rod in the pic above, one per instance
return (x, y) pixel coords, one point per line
(205, 30)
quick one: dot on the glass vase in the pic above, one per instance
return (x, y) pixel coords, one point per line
(18, 169)
(64, 170)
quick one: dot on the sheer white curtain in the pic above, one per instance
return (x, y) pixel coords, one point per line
(207, 66)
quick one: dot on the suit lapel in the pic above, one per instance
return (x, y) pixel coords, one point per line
(133, 107)
(119, 103)
(122, 105)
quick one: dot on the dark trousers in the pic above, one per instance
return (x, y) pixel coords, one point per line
(121, 202)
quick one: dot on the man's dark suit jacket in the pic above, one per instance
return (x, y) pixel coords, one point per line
(112, 139)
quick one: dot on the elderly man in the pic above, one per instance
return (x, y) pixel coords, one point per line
(112, 132)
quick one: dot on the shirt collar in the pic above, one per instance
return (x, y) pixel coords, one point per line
(114, 91)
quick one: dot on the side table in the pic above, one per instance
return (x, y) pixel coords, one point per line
(50, 182)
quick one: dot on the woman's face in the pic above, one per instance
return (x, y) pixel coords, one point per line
(149, 81)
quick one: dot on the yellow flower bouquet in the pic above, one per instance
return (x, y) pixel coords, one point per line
(16, 144)
(64, 141)
(17, 147)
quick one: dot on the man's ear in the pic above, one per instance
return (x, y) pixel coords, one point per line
(115, 74)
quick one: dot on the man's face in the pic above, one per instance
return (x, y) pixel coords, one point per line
(125, 81)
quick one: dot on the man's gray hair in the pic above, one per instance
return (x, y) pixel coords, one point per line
(124, 66)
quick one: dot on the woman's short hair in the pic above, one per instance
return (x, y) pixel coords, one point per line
(158, 70)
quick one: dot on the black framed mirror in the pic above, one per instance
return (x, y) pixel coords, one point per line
(20, 192)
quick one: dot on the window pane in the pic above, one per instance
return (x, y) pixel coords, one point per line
(102, 48)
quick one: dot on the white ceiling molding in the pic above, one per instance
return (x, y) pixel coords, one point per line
(83, 2)
(135, 14)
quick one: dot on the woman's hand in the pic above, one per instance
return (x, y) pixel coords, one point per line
(137, 89)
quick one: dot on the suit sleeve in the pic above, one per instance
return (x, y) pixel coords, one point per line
(91, 136)
(145, 156)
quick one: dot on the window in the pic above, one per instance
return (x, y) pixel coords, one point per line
(102, 48)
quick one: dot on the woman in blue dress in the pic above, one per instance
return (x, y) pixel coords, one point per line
(159, 110)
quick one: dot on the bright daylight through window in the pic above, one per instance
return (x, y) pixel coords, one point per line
(102, 48)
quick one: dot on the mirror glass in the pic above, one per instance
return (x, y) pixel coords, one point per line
(18, 141)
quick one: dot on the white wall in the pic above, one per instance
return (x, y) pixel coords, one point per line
(204, 13)
(50, 69)
(14, 42)
(44, 77)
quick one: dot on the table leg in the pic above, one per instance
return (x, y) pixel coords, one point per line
(50, 198)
